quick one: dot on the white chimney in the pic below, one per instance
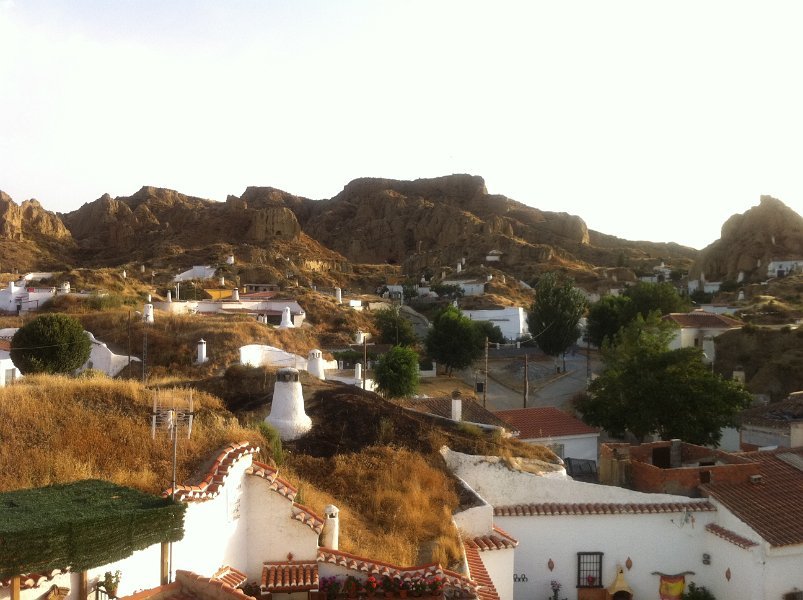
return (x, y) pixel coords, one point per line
(230, 259)
(457, 407)
(287, 322)
(149, 297)
(463, 260)
(315, 365)
(339, 295)
(169, 296)
(222, 281)
(359, 337)
(287, 409)
(201, 352)
(235, 294)
(741, 295)
(358, 371)
(142, 268)
(331, 527)
(147, 313)
(124, 274)
(459, 267)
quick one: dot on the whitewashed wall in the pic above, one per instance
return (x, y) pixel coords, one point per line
(103, 359)
(259, 355)
(6, 364)
(511, 320)
(501, 567)
(652, 541)
(577, 446)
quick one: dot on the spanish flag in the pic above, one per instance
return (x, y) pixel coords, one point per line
(672, 587)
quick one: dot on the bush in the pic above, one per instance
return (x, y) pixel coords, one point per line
(51, 343)
(697, 593)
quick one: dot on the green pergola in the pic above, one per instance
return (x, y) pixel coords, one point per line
(81, 525)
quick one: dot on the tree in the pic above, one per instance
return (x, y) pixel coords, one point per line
(555, 315)
(486, 329)
(51, 343)
(453, 340)
(607, 316)
(394, 328)
(646, 388)
(397, 372)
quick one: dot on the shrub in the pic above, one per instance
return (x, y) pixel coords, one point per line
(51, 343)
(697, 593)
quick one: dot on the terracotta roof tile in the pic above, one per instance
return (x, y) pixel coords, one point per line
(730, 536)
(289, 576)
(277, 484)
(557, 509)
(230, 576)
(544, 422)
(498, 540)
(190, 586)
(307, 517)
(479, 574)
(217, 474)
(704, 320)
(771, 507)
(778, 415)
(374, 567)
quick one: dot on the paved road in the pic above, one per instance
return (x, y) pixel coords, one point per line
(547, 388)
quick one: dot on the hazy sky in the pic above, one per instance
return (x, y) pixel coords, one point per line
(650, 120)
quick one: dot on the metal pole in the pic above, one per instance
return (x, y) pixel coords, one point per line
(485, 387)
(526, 379)
(129, 340)
(174, 419)
(144, 347)
(364, 359)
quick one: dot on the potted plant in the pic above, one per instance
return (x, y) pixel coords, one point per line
(591, 579)
(371, 585)
(404, 588)
(389, 585)
(352, 587)
(435, 585)
(111, 581)
(418, 586)
(329, 587)
(555, 585)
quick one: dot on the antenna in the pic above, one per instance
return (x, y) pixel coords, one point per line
(172, 412)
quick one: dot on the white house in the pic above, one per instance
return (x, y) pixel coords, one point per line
(699, 328)
(470, 287)
(512, 320)
(779, 424)
(494, 256)
(101, 358)
(784, 267)
(269, 310)
(564, 434)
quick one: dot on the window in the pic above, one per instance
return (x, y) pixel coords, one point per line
(589, 569)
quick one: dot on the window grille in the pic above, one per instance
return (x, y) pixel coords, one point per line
(589, 569)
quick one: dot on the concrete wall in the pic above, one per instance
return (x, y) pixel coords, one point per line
(500, 565)
(103, 359)
(258, 355)
(511, 320)
(578, 446)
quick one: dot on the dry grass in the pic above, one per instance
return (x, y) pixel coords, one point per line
(407, 501)
(58, 429)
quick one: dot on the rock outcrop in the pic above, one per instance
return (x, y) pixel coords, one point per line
(749, 241)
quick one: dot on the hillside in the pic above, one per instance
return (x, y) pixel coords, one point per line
(378, 463)
(749, 241)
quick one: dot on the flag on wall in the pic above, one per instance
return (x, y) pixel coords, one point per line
(671, 587)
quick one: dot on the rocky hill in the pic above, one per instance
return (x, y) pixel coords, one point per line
(422, 224)
(750, 241)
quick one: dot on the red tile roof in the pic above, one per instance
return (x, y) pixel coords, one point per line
(374, 567)
(772, 507)
(307, 517)
(554, 509)
(479, 574)
(777, 415)
(703, 320)
(277, 484)
(230, 576)
(544, 422)
(289, 576)
(498, 540)
(216, 476)
(730, 536)
(189, 586)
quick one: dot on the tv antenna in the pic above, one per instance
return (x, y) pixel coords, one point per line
(172, 414)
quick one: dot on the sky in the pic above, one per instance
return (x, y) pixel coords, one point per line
(650, 120)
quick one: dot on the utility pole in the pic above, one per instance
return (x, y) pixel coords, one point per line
(526, 379)
(485, 387)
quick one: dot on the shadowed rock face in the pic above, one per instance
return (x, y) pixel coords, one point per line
(749, 241)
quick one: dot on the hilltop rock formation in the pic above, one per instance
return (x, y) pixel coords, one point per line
(31, 237)
(749, 241)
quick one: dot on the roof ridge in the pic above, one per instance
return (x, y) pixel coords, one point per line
(599, 508)
(216, 475)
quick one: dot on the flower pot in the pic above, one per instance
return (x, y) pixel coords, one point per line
(402, 593)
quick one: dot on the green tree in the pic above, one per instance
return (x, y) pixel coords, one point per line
(555, 315)
(607, 316)
(453, 340)
(447, 290)
(394, 328)
(486, 329)
(646, 388)
(52, 343)
(397, 372)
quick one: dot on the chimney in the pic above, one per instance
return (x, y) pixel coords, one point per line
(359, 337)
(459, 267)
(339, 295)
(795, 434)
(230, 259)
(287, 322)
(201, 352)
(124, 274)
(222, 281)
(358, 371)
(147, 313)
(287, 408)
(457, 406)
(169, 296)
(149, 297)
(142, 268)
(331, 527)
(235, 294)
(315, 364)
(675, 454)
